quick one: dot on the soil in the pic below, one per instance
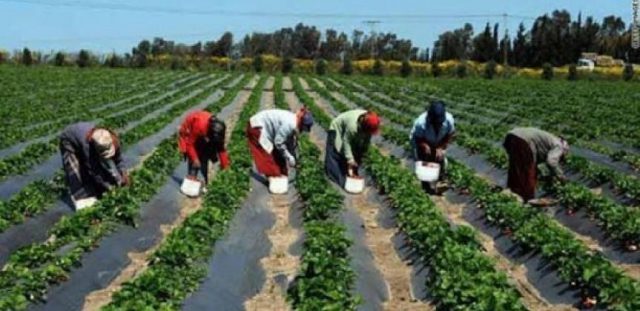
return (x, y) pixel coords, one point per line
(139, 260)
(287, 86)
(517, 273)
(268, 86)
(395, 271)
(280, 263)
(304, 84)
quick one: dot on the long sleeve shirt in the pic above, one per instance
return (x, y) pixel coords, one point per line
(349, 141)
(423, 129)
(105, 173)
(546, 147)
(278, 130)
(194, 127)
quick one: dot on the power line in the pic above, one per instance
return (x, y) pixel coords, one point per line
(184, 11)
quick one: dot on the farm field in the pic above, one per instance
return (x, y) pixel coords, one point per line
(393, 247)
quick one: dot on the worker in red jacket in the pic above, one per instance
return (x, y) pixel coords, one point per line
(201, 138)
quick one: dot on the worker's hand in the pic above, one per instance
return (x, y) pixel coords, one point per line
(426, 149)
(192, 177)
(440, 154)
(291, 160)
(352, 169)
(561, 179)
(225, 162)
(126, 179)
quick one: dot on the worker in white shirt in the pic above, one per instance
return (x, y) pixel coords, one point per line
(272, 139)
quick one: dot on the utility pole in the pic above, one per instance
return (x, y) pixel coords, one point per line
(504, 44)
(372, 29)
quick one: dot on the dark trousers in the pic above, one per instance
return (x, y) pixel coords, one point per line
(522, 176)
(206, 152)
(79, 181)
(335, 163)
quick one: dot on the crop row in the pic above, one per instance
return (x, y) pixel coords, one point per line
(569, 117)
(471, 122)
(36, 197)
(576, 108)
(77, 230)
(36, 92)
(326, 279)
(32, 269)
(68, 111)
(179, 265)
(619, 221)
(461, 277)
(38, 152)
(537, 232)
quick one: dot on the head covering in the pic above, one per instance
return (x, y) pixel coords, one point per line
(103, 142)
(307, 121)
(437, 112)
(217, 131)
(371, 122)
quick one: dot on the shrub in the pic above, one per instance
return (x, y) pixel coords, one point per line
(27, 58)
(84, 59)
(177, 63)
(573, 73)
(258, 63)
(378, 68)
(627, 73)
(547, 71)
(347, 66)
(406, 69)
(140, 60)
(436, 70)
(321, 67)
(59, 59)
(287, 65)
(4, 57)
(461, 70)
(490, 69)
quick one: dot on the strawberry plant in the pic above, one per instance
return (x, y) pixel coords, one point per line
(179, 265)
(462, 277)
(81, 232)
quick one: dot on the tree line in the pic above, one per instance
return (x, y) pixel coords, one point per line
(556, 39)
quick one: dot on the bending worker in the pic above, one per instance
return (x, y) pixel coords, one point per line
(201, 138)
(431, 134)
(527, 147)
(92, 161)
(348, 140)
(272, 137)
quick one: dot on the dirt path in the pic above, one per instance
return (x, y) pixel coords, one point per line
(379, 240)
(530, 295)
(396, 272)
(389, 260)
(139, 260)
(287, 86)
(280, 263)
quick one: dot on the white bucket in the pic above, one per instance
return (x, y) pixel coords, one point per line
(427, 171)
(279, 185)
(84, 203)
(354, 185)
(191, 188)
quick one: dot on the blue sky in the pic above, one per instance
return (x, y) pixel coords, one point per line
(70, 25)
